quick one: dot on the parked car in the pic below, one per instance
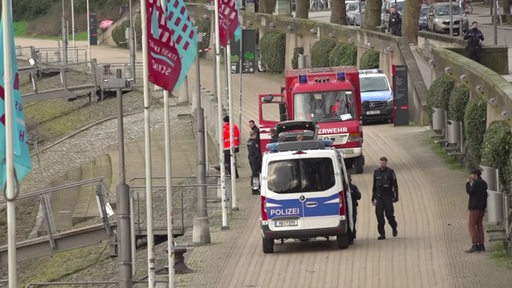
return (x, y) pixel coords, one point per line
(351, 7)
(422, 25)
(376, 96)
(438, 19)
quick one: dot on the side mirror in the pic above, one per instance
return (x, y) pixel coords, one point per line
(268, 98)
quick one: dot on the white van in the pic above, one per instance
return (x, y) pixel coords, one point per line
(303, 193)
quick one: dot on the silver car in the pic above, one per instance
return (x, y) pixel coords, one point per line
(351, 7)
(438, 19)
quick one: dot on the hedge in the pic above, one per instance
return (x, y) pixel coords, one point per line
(343, 54)
(475, 119)
(438, 95)
(320, 52)
(370, 59)
(496, 148)
(272, 48)
(458, 101)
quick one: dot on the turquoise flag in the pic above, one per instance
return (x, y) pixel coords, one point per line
(22, 163)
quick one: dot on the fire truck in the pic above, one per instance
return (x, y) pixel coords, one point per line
(328, 96)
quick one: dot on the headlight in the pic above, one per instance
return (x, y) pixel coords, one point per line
(438, 20)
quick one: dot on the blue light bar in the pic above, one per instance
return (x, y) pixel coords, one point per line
(340, 76)
(303, 78)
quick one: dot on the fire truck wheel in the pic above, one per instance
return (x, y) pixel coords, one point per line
(358, 164)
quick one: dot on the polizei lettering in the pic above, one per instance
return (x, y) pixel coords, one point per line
(284, 212)
(335, 130)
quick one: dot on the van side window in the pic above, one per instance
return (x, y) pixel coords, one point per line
(301, 175)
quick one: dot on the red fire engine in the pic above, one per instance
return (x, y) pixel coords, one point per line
(330, 97)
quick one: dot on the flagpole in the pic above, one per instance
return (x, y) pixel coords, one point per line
(220, 122)
(147, 144)
(9, 151)
(231, 129)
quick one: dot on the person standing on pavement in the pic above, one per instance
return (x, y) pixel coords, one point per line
(476, 187)
(474, 46)
(227, 144)
(384, 194)
(356, 196)
(395, 22)
(273, 135)
(255, 128)
(254, 155)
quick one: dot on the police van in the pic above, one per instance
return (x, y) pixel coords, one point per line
(303, 186)
(376, 96)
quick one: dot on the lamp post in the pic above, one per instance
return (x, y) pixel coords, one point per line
(131, 41)
(73, 22)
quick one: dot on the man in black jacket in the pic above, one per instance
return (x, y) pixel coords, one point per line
(385, 193)
(395, 22)
(474, 37)
(254, 155)
(476, 187)
(356, 196)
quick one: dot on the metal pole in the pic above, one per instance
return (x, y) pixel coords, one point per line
(495, 21)
(123, 199)
(10, 194)
(451, 19)
(147, 144)
(73, 22)
(168, 192)
(241, 94)
(220, 122)
(231, 129)
(64, 48)
(131, 36)
(201, 229)
(88, 33)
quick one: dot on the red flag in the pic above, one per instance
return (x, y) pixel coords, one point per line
(228, 20)
(163, 56)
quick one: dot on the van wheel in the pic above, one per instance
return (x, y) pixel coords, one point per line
(268, 245)
(342, 241)
(358, 164)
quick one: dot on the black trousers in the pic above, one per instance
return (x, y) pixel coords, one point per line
(475, 53)
(384, 207)
(227, 163)
(352, 234)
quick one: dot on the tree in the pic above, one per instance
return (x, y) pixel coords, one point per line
(302, 10)
(372, 17)
(338, 12)
(410, 19)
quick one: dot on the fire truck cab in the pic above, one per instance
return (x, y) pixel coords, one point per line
(328, 96)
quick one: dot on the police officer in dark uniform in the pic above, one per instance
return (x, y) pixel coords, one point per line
(385, 193)
(395, 22)
(356, 196)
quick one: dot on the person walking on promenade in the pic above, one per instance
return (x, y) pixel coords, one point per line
(395, 22)
(254, 155)
(384, 194)
(476, 187)
(227, 144)
(255, 128)
(356, 196)
(474, 46)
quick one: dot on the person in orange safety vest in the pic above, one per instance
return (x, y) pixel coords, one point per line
(227, 144)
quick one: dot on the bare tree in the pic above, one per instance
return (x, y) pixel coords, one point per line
(338, 12)
(410, 19)
(372, 17)
(302, 9)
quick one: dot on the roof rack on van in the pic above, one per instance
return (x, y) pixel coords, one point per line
(299, 145)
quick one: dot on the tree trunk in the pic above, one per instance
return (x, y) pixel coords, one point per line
(506, 7)
(302, 10)
(372, 15)
(338, 12)
(410, 19)
(267, 6)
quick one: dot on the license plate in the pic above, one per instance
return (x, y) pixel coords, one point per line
(372, 112)
(286, 222)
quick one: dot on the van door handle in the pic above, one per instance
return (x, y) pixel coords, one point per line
(311, 204)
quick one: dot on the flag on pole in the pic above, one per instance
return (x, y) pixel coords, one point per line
(172, 43)
(229, 26)
(22, 162)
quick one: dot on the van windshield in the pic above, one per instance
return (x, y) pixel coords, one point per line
(300, 175)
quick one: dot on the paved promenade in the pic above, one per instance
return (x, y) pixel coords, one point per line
(428, 252)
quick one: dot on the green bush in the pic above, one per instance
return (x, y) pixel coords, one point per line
(295, 59)
(458, 101)
(496, 150)
(438, 95)
(343, 54)
(272, 48)
(475, 119)
(370, 59)
(119, 36)
(320, 52)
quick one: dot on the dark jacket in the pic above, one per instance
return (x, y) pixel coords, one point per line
(384, 183)
(477, 192)
(355, 194)
(395, 24)
(257, 131)
(474, 36)
(253, 149)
